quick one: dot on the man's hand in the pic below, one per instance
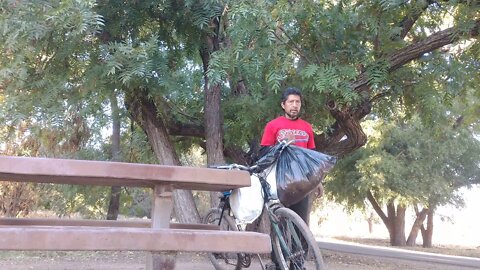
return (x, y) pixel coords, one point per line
(318, 192)
(290, 137)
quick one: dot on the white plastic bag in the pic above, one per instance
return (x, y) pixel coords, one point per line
(271, 173)
(247, 202)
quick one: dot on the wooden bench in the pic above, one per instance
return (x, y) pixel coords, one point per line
(144, 223)
(158, 235)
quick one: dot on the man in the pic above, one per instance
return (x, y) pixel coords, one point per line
(290, 127)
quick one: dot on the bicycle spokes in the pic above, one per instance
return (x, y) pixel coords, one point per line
(294, 251)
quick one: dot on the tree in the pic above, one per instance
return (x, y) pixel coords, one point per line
(408, 165)
(115, 191)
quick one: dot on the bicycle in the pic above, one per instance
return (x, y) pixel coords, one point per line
(292, 241)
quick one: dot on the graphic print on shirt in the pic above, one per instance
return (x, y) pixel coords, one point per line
(287, 134)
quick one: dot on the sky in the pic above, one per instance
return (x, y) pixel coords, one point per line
(463, 228)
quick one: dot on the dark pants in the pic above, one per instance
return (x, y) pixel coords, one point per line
(302, 208)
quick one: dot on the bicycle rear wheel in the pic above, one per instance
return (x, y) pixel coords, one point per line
(224, 261)
(293, 243)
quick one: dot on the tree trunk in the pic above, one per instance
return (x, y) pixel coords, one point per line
(399, 239)
(370, 221)
(213, 126)
(114, 204)
(394, 220)
(145, 113)
(417, 225)
(391, 223)
(347, 124)
(427, 236)
(378, 209)
(213, 119)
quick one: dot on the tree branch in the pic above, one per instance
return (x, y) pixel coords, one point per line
(176, 128)
(377, 208)
(433, 42)
(408, 21)
(293, 45)
(414, 51)
(348, 121)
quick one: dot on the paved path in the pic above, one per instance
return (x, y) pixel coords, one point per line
(388, 252)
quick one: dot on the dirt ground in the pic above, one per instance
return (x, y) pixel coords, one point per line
(136, 260)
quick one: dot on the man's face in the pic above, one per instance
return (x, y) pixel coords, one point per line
(292, 106)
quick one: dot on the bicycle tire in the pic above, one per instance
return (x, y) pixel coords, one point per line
(223, 261)
(301, 256)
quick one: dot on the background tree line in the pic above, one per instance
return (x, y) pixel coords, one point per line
(163, 77)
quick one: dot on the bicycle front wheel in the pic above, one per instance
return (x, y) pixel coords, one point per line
(223, 261)
(293, 243)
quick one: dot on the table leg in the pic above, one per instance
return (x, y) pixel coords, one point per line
(161, 212)
(161, 261)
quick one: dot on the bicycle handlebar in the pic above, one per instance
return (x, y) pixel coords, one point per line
(255, 168)
(235, 166)
(286, 143)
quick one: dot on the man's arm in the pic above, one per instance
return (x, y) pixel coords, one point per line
(269, 136)
(311, 138)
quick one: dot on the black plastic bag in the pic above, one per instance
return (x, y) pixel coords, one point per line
(268, 156)
(299, 172)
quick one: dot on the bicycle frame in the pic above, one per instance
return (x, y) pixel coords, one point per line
(224, 205)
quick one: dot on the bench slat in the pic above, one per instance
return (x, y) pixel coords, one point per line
(98, 223)
(131, 239)
(87, 172)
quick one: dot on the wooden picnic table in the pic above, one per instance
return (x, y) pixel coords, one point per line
(159, 235)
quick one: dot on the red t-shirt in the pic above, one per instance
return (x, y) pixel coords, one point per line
(278, 129)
